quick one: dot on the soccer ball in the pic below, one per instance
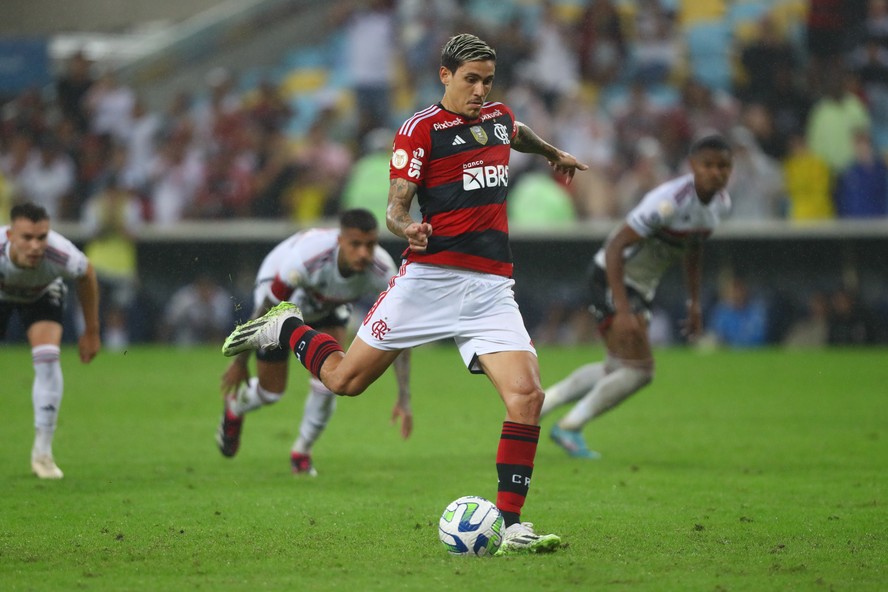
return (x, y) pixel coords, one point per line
(471, 525)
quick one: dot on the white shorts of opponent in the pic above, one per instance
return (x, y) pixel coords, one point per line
(426, 303)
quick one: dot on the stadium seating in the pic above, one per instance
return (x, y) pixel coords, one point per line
(709, 46)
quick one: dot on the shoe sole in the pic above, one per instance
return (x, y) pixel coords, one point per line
(547, 544)
(52, 476)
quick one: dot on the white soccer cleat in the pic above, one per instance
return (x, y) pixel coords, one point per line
(520, 539)
(44, 467)
(261, 333)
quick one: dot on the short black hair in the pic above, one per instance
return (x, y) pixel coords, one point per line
(463, 48)
(710, 142)
(359, 218)
(28, 210)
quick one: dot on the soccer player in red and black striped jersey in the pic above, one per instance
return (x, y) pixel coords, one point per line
(456, 279)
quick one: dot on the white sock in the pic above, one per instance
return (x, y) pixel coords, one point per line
(46, 394)
(250, 396)
(42, 441)
(609, 392)
(580, 382)
(319, 407)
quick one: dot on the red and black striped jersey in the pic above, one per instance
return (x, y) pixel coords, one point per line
(461, 167)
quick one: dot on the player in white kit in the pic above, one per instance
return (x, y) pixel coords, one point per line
(668, 225)
(323, 271)
(34, 264)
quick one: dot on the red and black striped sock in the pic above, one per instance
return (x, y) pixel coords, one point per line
(311, 347)
(514, 466)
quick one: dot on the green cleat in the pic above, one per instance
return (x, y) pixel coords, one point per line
(261, 333)
(520, 539)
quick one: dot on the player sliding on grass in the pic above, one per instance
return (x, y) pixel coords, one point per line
(34, 264)
(669, 224)
(323, 271)
(456, 281)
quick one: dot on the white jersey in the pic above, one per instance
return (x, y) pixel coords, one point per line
(62, 261)
(670, 218)
(304, 270)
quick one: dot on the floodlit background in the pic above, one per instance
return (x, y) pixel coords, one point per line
(226, 126)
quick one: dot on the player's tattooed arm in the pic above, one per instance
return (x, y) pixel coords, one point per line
(526, 140)
(397, 214)
(398, 219)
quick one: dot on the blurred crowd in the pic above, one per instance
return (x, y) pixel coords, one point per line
(625, 85)
(617, 83)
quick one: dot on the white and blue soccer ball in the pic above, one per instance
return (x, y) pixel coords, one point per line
(471, 525)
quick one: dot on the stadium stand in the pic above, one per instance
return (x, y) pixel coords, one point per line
(285, 76)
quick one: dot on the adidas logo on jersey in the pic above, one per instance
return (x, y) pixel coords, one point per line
(457, 141)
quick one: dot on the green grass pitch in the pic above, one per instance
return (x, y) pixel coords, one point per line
(756, 470)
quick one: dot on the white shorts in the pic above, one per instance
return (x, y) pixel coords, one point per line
(426, 303)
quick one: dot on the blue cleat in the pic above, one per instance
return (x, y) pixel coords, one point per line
(572, 442)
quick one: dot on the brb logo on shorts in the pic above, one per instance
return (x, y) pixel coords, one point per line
(479, 177)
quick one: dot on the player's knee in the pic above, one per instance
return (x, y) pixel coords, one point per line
(346, 386)
(535, 397)
(639, 373)
(526, 402)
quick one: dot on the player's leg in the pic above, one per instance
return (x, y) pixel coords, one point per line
(283, 327)
(515, 375)
(352, 372)
(45, 337)
(319, 407)
(266, 388)
(625, 375)
(404, 316)
(492, 339)
(583, 379)
(625, 378)
(572, 388)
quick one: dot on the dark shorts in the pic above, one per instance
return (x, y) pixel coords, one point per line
(601, 303)
(338, 318)
(49, 307)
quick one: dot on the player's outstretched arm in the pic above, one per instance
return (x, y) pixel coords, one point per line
(526, 140)
(88, 294)
(402, 409)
